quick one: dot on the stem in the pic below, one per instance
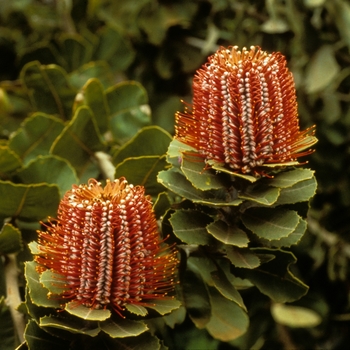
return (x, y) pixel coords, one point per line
(13, 298)
(105, 164)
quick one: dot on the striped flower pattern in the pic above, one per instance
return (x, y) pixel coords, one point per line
(244, 114)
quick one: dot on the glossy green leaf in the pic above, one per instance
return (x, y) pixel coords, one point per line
(226, 288)
(37, 338)
(136, 309)
(79, 140)
(177, 183)
(274, 278)
(201, 178)
(149, 141)
(163, 306)
(70, 324)
(150, 165)
(289, 178)
(242, 257)
(114, 48)
(291, 239)
(228, 234)
(10, 239)
(271, 223)
(94, 97)
(31, 202)
(190, 226)
(87, 313)
(9, 160)
(260, 194)
(295, 316)
(228, 321)
(129, 110)
(118, 327)
(49, 169)
(300, 192)
(48, 88)
(196, 297)
(36, 135)
(37, 292)
(322, 69)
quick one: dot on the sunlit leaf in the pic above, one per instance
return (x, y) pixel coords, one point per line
(53, 281)
(10, 239)
(87, 313)
(289, 178)
(118, 327)
(163, 306)
(136, 309)
(271, 223)
(228, 321)
(228, 234)
(33, 202)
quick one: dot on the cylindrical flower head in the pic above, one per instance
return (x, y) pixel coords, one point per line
(106, 245)
(244, 112)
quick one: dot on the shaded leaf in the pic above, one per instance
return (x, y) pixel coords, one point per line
(190, 226)
(260, 194)
(274, 278)
(149, 141)
(33, 202)
(10, 239)
(49, 169)
(270, 223)
(36, 135)
(9, 160)
(289, 178)
(48, 88)
(118, 327)
(150, 165)
(228, 234)
(228, 321)
(242, 257)
(79, 140)
(7, 330)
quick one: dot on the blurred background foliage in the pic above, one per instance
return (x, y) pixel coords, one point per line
(159, 44)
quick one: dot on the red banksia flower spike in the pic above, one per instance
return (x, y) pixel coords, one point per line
(244, 114)
(105, 244)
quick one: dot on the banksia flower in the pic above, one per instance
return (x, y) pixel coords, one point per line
(105, 245)
(244, 114)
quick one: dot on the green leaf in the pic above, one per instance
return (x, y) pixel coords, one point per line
(322, 69)
(228, 234)
(118, 327)
(220, 167)
(228, 321)
(226, 288)
(289, 178)
(33, 202)
(274, 278)
(79, 140)
(129, 110)
(163, 306)
(48, 88)
(295, 316)
(36, 135)
(190, 226)
(177, 183)
(95, 98)
(149, 141)
(37, 292)
(291, 239)
(9, 160)
(70, 324)
(49, 169)
(201, 178)
(10, 239)
(142, 171)
(271, 223)
(161, 204)
(242, 257)
(260, 193)
(300, 192)
(175, 317)
(195, 296)
(54, 282)
(87, 313)
(37, 338)
(136, 309)
(144, 341)
(8, 337)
